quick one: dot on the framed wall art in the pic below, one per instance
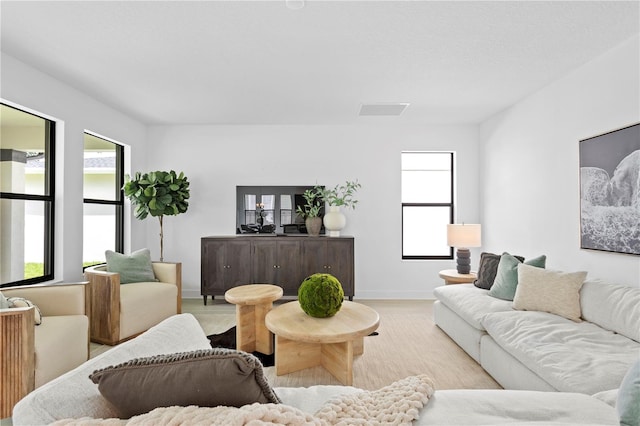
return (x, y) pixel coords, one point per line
(610, 191)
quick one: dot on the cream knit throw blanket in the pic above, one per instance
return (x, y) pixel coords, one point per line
(397, 404)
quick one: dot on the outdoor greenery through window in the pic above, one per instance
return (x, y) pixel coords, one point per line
(103, 199)
(27, 194)
(427, 204)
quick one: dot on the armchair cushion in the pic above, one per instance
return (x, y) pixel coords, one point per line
(133, 268)
(61, 344)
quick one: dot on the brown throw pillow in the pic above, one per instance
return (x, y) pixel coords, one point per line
(206, 378)
(488, 268)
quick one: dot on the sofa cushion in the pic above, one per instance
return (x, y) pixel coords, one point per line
(543, 290)
(205, 378)
(611, 306)
(628, 404)
(61, 344)
(487, 269)
(74, 395)
(504, 286)
(137, 314)
(571, 357)
(132, 268)
(470, 303)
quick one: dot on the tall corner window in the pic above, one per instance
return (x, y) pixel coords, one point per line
(427, 204)
(27, 194)
(103, 177)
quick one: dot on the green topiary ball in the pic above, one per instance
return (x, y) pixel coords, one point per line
(320, 295)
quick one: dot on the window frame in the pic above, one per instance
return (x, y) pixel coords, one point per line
(451, 206)
(48, 198)
(118, 203)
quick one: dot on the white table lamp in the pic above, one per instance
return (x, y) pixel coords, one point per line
(462, 237)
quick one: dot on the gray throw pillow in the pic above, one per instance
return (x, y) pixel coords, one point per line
(628, 403)
(206, 378)
(487, 269)
(134, 268)
(504, 286)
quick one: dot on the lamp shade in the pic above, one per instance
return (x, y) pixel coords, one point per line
(465, 235)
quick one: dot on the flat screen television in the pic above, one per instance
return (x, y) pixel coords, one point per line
(270, 209)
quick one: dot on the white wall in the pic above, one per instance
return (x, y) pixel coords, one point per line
(26, 87)
(217, 158)
(529, 168)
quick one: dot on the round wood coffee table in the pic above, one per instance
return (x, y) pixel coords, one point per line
(253, 302)
(303, 341)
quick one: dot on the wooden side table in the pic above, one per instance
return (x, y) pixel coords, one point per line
(303, 341)
(253, 303)
(451, 276)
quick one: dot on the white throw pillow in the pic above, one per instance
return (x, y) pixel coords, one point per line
(21, 302)
(550, 291)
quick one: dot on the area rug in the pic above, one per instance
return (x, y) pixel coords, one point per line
(227, 340)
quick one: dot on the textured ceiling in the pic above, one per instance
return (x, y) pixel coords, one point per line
(239, 62)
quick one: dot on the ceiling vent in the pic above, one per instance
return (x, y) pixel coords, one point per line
(386, 109)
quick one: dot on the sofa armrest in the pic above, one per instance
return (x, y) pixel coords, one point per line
(170, 272)
(17, 331)
(104, 298)
(54, 299)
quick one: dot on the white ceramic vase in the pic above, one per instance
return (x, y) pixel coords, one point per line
(334, 221)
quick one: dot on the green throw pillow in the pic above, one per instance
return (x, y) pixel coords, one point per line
(134, 268)
(628, 403)
(504, 286)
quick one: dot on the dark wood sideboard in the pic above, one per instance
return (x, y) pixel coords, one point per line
(230, 261)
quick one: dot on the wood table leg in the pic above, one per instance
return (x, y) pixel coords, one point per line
(337, 359)
(264, 337)
(358, 346)
(295, 356)
(245, 328)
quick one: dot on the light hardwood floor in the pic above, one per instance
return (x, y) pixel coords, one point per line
(408, 343)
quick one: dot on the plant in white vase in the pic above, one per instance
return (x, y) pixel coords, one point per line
(336, 197)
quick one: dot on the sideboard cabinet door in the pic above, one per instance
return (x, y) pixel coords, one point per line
(225, 263)
(277, 261)
(330, 256)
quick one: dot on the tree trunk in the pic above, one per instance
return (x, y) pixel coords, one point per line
(161, 240)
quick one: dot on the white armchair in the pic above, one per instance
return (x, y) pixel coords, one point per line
(122, 311)
(33, 355)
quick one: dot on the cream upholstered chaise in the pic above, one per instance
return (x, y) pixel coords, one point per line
(122, 311)
(32, 355)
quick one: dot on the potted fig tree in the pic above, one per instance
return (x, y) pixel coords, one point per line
(158, 194)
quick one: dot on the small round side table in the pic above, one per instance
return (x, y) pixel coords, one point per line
(253, 302)
(451, 276)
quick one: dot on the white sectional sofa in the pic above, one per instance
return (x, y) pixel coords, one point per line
(73, 395)
(532, 350)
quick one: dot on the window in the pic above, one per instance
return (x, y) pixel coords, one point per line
(27, 194)
(427, 204)
(103, 199)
